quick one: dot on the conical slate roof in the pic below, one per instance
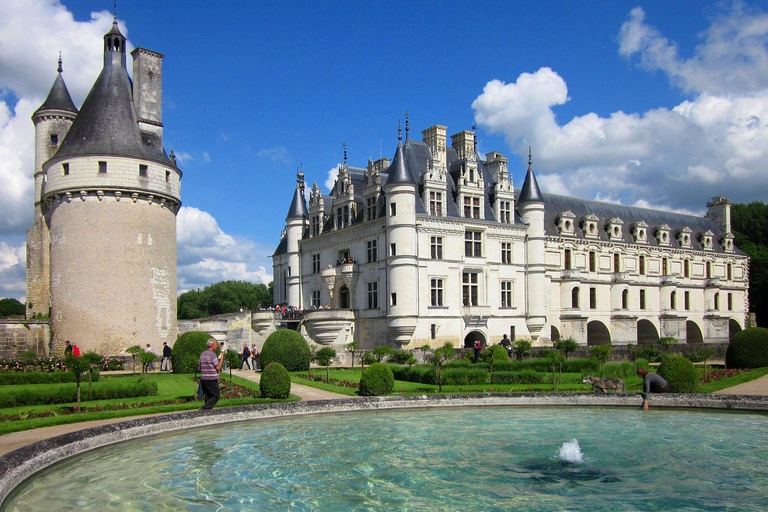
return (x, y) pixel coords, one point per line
(398, 170)
(298, 206)
(58, 98)
(530, 192)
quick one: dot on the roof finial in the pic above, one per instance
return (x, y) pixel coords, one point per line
(474, 136)
(345, 153)
(530, 159)
(407, 127)
(399, 131)
(114, 17)
(60, 68)
(300, 177)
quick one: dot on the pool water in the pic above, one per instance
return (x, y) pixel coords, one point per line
(449, 459)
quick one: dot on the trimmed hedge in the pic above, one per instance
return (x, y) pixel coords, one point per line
(679, 373)
(421, 373)
(288, 348)
(748, 349)
(66, 393)
(462, 377)
(523, 377)
(275, 381)
(185, 355)
(580, 365)
(376, 380)
(17, 378)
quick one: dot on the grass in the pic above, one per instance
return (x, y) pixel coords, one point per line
(733, 381)
(170, 387)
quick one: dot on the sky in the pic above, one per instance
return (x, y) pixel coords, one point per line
(647, 102)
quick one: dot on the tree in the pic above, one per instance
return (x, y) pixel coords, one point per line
(351, 347)
(566, 346)
(223, 297)
(556, 360)
(146, 359)
(233, 359)
(381, 352)
(601, 352)
(10, 307)
(93, 359)
(134, 351)
(667, 342)
(77, 365)
(324, 357)
(749, 223)
(521, 348)
(439, 357)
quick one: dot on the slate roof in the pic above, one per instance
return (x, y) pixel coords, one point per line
(298, 206)
(58, 98)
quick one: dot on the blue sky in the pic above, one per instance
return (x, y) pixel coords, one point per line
(650, 103)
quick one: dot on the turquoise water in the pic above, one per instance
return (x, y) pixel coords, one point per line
(469, 459)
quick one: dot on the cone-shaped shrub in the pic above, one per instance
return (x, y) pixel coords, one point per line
(185, 355)
(275, 381)
(679, 373)
(288, 348)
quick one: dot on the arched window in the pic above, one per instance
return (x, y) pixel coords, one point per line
(575, 297)
(625, 299)
(673, 300)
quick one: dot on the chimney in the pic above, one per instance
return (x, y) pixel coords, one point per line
(148, 95)
(434, 138)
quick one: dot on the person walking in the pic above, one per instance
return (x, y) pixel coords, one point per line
(245, 355)
(165, 365)
(254, 357)
(210, 366)
(150, 366)
(477, 347)
(75, 350)
(68, 349)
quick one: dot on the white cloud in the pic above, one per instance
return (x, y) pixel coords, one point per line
(333, 173)
(206, 254)
(715, 143)
(277, 154)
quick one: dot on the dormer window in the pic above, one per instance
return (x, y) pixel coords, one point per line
(566, 222)
(706, 239)
(614, 228)
(640, 232)
(662, 234)
(684, 237)
(726, 242)
(589, 225)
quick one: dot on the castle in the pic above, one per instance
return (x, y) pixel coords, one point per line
(101, 254)
(437, 246)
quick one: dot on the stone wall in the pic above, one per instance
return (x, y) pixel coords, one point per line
(19, 336)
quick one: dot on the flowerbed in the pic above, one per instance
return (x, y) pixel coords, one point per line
(715, 375)
(335, 382)
(51, 364)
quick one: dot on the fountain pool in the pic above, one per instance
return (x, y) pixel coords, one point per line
(468, 459)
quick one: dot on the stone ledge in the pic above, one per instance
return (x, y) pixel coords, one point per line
(17, 466)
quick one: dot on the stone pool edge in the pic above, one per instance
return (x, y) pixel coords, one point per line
(19, 465)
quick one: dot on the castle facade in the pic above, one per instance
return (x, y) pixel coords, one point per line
(438, 245)
(101, 254)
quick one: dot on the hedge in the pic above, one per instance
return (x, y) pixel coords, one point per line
(748, 349)
(66, 393)
(679, 373)
(17, 378)
(376, 380)
(523, 377)
(288, 348)
(579, 365)
(462, 377)
(185, 355)
(275, 381)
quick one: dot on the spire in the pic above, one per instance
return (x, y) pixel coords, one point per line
(58, 97)
(345, 153)
(407, 128)
(298, 206)
(114, 46)
(530, 192)
(398, 172)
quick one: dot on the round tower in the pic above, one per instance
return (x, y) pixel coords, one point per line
(112, 195)
(402, 250)
(531, 207)
(295, 225)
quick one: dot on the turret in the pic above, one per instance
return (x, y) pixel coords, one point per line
(400, 192)
(531, 207)
(295, 224)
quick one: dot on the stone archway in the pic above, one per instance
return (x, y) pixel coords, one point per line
(470, 338)
(646, 332)
(693, 332)
(554, 333)
(733, 328)
(598, 333)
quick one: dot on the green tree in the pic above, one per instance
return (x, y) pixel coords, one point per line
(234, 359)
(134, 351)
(146, 359)
(439, 357)
(566, 346)
(10, 307)
(77, 366)
(351, 347)
(93, 359)
(381, 352)
(555, 359)
(223, 297)
(324, 356)
(521, 348)
(601, 352)
(749, 223)
(667, 342)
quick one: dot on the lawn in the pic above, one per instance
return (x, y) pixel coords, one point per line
(175, 393)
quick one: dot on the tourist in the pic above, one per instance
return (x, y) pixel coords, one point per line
(254, 357)
(245, 355)
(75, 350)
(507, 345)
(222, 350)
(210, 366)
(68, 349)
(652, 383)
(151, 365)
(477, 348)
(165, 365)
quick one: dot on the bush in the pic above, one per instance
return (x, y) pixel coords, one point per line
(66, 393)
(402, 357)
(498, 353)
(461, 377)
(275, 381)
(524, 377)
(287, 347)
(421, 373)
(623, 370)
(748, 349)
(185, 356)
(648, 352)
(377, 380)
(679, 373)
(16, 378)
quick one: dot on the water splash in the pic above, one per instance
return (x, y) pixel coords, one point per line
(570, 452)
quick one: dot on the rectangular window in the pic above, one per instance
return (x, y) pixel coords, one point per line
(102, 167)
(373, 295)
(592, 261)
(717, 301)
(567, 259)
(436, 247)
(54, 139)
(472, 207)
(315, 226)
(393, 299)
(469, 288)
(687, 268)
(730, 302)
(143, 170)
(593, 298)
(392, 209)
(315, 263)
(393, 249)
(729, 271)
(506, 252)
(473, 246)
(505, 212)
(342, 217)
(506, 294)
(616, 262)
(436, 292)
(642, 299)
(436, 203)
(372, 251)
(664, 266)
(316, 298)
(370, 208)
(687, 301)
(167, 176)
(673, 300)
(65, 169)
(641, 265)
(709, 270)
(433, 331)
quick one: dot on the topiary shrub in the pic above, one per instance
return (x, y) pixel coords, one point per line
(287, 347)
(185, 356)
(376, 380)
(679, 373)
(748, 349)
(275, 381)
